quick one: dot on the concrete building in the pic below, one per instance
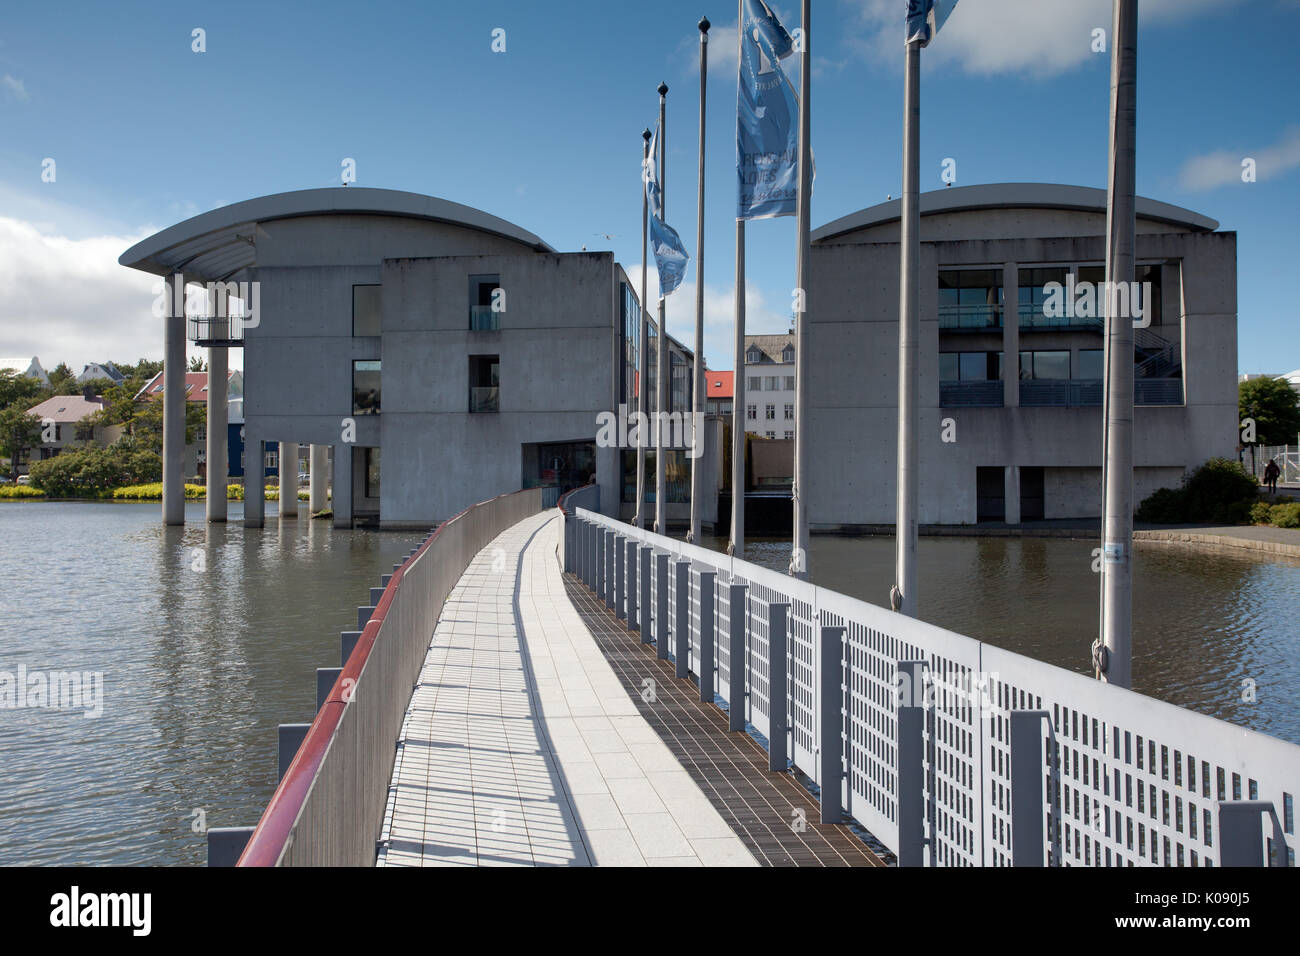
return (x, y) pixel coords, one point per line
(441, 354)
(769, 385)
(1010, 389)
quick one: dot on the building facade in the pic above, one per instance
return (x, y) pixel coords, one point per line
(1010, 377)
(769, 385)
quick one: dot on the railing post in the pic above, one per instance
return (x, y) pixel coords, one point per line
(910, 769)
(683, 623)
(568, 543)
(347, 644)
(226, 845)
(620, 582)
(289, 738)
(1027, 769)
(325, 678)
(611, 548)
(736, 657)
(600, 563)
(633, 577)
(363, 616)
(589, 555)
(778, 759)
(644, 572)
(831, 697)
(1241, 834)
(706, 635)
(661, 608)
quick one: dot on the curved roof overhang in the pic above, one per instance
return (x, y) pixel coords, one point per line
(1010, 196)
(216, 245)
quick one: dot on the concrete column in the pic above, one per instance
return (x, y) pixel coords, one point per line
(1011, 338)
(218, 437)
(317, 490)
(342, 485)
(1012, 493)
(288, 479)
(254, 480)
(173, 398)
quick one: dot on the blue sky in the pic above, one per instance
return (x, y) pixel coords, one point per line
(145, 132)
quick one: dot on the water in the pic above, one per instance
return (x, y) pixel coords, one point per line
(1205, 621)
(200, 664)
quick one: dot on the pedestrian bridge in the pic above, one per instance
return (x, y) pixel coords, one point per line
(583, 692)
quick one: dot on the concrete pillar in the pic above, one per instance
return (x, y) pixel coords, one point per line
(288, 479)
(1012, 493)
(254, 480)
(342, 485)
(318, 489)
(1011, 336)
(173, 398)
(218, 437)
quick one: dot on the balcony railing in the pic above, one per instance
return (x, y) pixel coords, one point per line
(969, 318)
(1158, 391)
(216, 331)
(485, 399)
(483, 319)
(1060, 393)
(987, 394)
(1033, 317)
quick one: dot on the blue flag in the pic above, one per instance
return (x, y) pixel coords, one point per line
(767, 131)
(926, 17)
(670, 255)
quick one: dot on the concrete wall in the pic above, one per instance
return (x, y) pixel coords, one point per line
(853, 314)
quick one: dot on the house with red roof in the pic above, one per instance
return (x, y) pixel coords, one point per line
(719, 392)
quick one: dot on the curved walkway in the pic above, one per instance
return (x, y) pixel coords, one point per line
(520, 745)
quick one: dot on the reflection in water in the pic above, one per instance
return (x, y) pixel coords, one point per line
(208, 637)
(1206, 622)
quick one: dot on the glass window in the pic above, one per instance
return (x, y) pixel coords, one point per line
(1045, 365)
(789, 412)
(970, 299)
(1091, 364)
(372, 472)
(789, 383)
(366, 319)
(485, 305)
(753, 356)
(770, 412)
(772, 383)
(484, 382)
(754, 383)
(948, 366)
(751, 411)
(365, 387)
(970, 366)
(789, 434)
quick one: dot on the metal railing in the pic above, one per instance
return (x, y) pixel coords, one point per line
(328, 809)
(216, 330)
(988, 394)
(485, 399)
(483, 318)
(1255, 458)
(949, 750)
(971, 318)
(1060, 393)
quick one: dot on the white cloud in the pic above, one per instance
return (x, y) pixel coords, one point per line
(1223, 167)
(14, 87)
(719, 314)
(68, 300)
(1043, 37)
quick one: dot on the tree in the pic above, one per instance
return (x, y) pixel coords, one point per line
(16, 389)
(63, 381)
(197, 364)
(18, 430)
(1275, 407)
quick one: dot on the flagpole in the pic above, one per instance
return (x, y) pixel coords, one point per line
(661, 370)
(641, 357)
(799, 553)
(1114, 666)
(903, 597)
(736, 547)
(697, 377)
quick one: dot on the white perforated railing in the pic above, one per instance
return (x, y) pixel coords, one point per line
(951, 751)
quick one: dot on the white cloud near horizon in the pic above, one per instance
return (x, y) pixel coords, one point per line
(984, 37)
(1223, 167)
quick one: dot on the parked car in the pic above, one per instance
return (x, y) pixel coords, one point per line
(24, 479)
(5, 480)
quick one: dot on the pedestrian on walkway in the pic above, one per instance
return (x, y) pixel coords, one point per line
(1271, 472)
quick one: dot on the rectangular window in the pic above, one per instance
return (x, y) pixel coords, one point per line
(773, 383)
(484, 383)
(1045, 365)
(366, 311)
(365, 387)
(1090, 364)
(751, 411)
(789, 434)
(771, 434)
(789, 412)
(372, 472)
(789, 383)
(485, 303)
(970, 299)
(970, 366)
(755, 383)
(770, 412)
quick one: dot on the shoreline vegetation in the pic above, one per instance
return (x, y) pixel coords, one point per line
(146, 492)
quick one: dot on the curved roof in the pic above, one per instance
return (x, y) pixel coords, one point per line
(1010, 196)
(215, 245)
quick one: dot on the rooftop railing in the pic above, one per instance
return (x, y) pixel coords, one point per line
(950, 751)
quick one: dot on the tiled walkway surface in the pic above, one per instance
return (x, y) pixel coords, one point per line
(521, 746)
(773, 814)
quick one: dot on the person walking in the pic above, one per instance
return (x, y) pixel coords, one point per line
(1271, 472)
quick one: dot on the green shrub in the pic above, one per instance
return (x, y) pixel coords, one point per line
(92, 472)
(20, 491)
(1285, 516)
(1218, 491)
(1261, 512)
